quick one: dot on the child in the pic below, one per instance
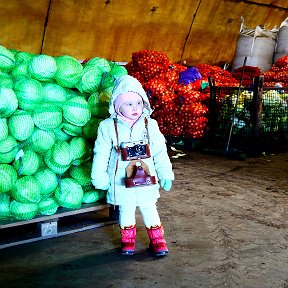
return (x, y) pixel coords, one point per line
(130, 122)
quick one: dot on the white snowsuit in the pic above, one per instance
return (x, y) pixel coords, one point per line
(106, 158)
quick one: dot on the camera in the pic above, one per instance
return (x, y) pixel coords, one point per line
(135, 150)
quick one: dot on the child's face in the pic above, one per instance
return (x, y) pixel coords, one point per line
(133, 108)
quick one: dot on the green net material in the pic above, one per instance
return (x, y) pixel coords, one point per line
(8, 177)
(6, 80)
(76, 111)
(69, 193)
(117, 71)
(81, 173)
(69, 71)
(8, 149)
(91, 79)
(91, 196)
(55, 167)
(54, 93)
(5, 206)
(42, 67)
(42, 140)
(99, 62)
(3, 129)
(21, 70)
(7, 59)
(47, 181)
(61, 153)
(47, 116)
(26, 190)
(23, 57)
(29, 93)
(21, 125)
(81, 150)
(71, 129)
(28, 164)
(23, 211)
(61, 135)
(8, 102)
(47, 206)
(99, 103)
(90, 129)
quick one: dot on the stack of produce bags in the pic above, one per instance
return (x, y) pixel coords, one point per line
(179, 95)
(50, 108)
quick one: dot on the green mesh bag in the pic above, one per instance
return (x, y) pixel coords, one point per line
(54, 93)
(7, 59)
(8, 149)
(29, 93)
(77, 111)
(91, 79)
(47, 206)
(21, 125)
(69, 71)
(117, 71)
(99, 62)
(71, 129)
(8, 177)
(69, 193)
(21, 70)
(8, 102)
(5, 206)
(81, 150)
(28, 164)
(61, 135)
(91, 196)
(23, 57)
(6, 80)
(81, 173)
(42, 67)
(99, 103)
(61, 153)
(26, 190)
(47, 181)
(3, 129)
(54, 166)
(47, 116)
(23, 211)
(90, 129)
(42, 140)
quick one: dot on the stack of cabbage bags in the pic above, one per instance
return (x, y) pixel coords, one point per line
(50, 109)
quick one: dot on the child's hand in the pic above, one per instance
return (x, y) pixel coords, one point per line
(166, 184)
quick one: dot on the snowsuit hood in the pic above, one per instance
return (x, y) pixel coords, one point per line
(126, 84)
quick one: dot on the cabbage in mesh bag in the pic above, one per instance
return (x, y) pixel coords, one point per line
(5, 206)
(69, 193)
(91, 79)
(21, 125)
(69, 71)
(6, 80)
(47, 206)
(81, 150)
(77, 111)
(7, 59)
(54, 93)
(47, 181)
(28, 163)
(23, 211)
(29, 93)
(47, 116)
(42, 67)
(99, 62)
(81, 173)
(3, 129)
(99, 103)
(26, 190)
(8, 177)
(8, 149)
(90, 128)
(42, 140)
(8, 102)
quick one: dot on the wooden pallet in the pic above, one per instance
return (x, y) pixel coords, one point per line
(63, 222)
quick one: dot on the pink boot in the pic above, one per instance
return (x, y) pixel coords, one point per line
(128, 238)
(157, 242)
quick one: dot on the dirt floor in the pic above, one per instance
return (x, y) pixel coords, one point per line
(225, 222)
